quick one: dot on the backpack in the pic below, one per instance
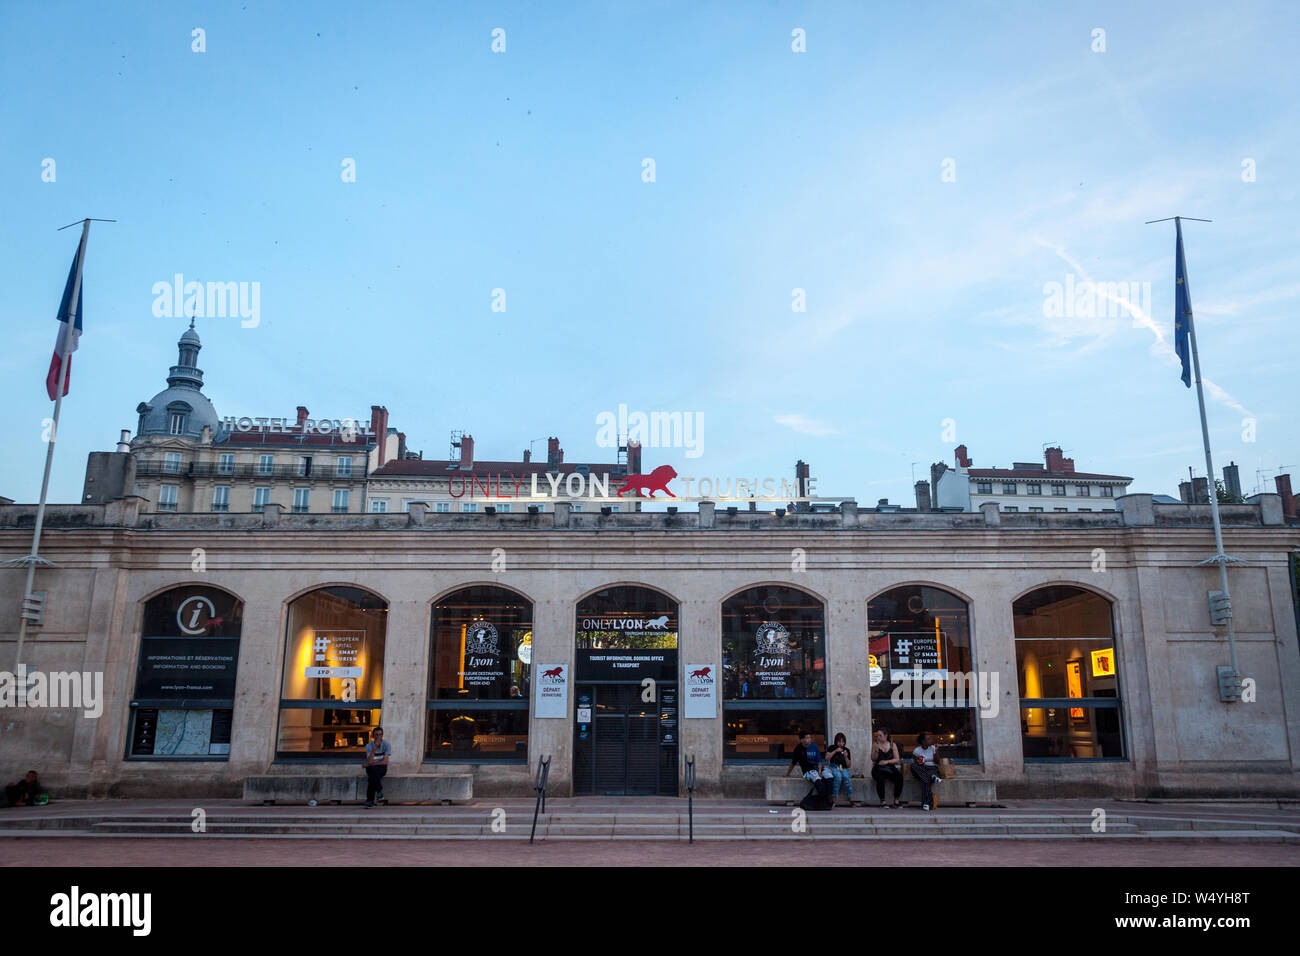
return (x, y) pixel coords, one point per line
(818, 798)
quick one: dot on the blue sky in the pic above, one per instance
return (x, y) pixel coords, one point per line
(775, 170)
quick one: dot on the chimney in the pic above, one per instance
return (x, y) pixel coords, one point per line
(302, 414)
(1232, 480)
(1185, 492)
(1057, 463)
(801, 478)
(634, 458)
(554, 453)
(1201, 491)
(922, 496)
(528, 455)
(379, 427)
(963, 457)
(401, 446)
(467, 452)
(124, 441)
(1283, 485)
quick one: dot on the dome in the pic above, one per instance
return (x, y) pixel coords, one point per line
(156, 414)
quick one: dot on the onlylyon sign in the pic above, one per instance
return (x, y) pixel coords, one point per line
(576, 486)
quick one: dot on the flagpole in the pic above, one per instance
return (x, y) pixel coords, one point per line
(1219, 558)
(33, 559)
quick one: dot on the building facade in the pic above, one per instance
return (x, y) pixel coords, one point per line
(1052, 487)
(187, 459)
(1056, 654)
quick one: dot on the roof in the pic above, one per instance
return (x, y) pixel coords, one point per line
(1042, 475)
(425, 468)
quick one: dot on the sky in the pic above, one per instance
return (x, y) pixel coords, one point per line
(845, 254)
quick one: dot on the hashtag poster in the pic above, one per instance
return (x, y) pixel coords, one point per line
(918, 655)
(336, 654)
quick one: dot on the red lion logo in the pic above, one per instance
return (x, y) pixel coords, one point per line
(657, 480)
(553, 672)
(703, 672)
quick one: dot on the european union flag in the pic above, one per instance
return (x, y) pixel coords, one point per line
(1182, 311)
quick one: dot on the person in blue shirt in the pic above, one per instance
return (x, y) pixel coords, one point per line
(808, 757)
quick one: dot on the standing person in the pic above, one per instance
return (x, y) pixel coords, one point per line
(886, 765)
(808, 757)
(923, 767)
(376, 763)
(841, 760)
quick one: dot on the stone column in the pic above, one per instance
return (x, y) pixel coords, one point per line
(998, 724)
(700, 643)
(406, 680)
(255, 721)
(847, 677)
(552, 645)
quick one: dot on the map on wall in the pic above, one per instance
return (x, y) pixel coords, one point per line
(183, 733)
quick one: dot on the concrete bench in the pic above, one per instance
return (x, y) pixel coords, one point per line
(953, 792)
(286, 788)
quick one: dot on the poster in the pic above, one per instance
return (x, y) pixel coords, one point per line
(552, 696)
(701, 691)
(772, 655)
(187, 668)
(336, 654)
(917, 655)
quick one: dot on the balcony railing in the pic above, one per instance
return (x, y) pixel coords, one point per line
(212, 469)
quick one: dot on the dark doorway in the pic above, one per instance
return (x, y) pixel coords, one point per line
(627, 746)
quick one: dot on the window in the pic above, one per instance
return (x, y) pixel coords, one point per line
(378, 506)
(304, 466)
(172, 462)
(265, 464)
(181, 711)
(443, 506)
(1033, 488)
(226, 464)
(301, 500)
(340, 501)
(1010, 508)
(576, 506)
(481, 641)
(1084, 491)
(221, 498)
(167, 496)
(1008, 487)
(333, 635)
(1060, 509)
(1058, 490)
(469, 506)
(984, 488)
(345, 467)
(1107, 491)
(1068, 675)
(920, 656)
(1033, 509)
(1085, 509)
(261, 498)
(503, 509)
(176, 424)
(773, 673)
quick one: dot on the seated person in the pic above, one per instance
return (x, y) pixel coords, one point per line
(924, 768)
(808, 757)
(885, 766)
(26, 792)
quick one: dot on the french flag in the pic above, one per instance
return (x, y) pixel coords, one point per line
(69, 325)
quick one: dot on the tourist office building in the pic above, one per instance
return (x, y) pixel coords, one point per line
(1068, 654)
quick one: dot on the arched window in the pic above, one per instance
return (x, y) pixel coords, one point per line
(482, 642)
(1068, 677)
(922, 679)
(330, 696)
(773, 672)
(625, 693)
(185, 677)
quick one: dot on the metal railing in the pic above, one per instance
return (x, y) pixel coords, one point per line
(212, 469)
(690, 798)
(539, 784)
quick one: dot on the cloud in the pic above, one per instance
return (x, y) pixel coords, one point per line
(805, 426)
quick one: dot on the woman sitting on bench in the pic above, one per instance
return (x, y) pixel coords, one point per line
(886, 765)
